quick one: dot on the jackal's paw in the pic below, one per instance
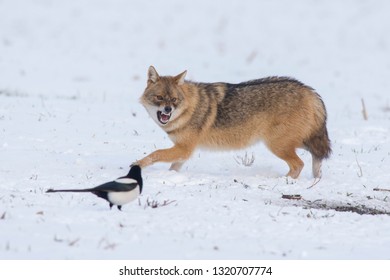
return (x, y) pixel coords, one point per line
(290, 180)
(143, 162)
(137, 162)
(176, 166)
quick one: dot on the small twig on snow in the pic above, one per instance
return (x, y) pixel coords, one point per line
(72, 243)
(316, 181)
(156, 204)
(292, 196)
(381, 190)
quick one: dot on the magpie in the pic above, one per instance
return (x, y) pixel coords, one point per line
(118, 192)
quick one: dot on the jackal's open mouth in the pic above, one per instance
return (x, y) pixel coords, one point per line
(163, 117)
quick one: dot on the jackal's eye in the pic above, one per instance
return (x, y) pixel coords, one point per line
(159, 98)
(173, 100)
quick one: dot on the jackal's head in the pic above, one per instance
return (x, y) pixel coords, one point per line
(163, 96)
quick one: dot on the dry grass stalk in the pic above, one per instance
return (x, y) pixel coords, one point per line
(245, 160)
(364, 111)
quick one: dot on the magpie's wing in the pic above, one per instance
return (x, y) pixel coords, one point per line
(119, 185)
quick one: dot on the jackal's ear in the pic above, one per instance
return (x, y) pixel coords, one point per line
(152, 75)
(180, 78)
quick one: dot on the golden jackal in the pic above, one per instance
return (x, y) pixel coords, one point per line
(282, 112)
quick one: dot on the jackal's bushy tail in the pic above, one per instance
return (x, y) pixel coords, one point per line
(318, 144)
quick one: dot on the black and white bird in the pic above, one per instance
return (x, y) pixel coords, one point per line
(118, 192)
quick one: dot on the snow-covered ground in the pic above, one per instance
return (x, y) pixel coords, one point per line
(71, 74)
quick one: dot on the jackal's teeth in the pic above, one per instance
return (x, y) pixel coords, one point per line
(163, 117)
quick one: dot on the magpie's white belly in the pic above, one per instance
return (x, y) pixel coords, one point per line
(121, 198)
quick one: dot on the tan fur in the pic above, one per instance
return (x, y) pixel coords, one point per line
(282, 112)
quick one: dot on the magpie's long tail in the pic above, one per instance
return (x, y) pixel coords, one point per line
(70, 190)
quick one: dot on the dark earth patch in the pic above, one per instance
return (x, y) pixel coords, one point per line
(339, 207)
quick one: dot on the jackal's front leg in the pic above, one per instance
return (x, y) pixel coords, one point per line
(178, 154)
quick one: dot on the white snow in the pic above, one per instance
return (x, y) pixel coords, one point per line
(72, 72)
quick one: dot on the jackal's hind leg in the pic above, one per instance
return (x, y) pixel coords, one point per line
(316, 167)
(288, 154)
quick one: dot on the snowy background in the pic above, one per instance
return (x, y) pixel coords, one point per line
(71, 74)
